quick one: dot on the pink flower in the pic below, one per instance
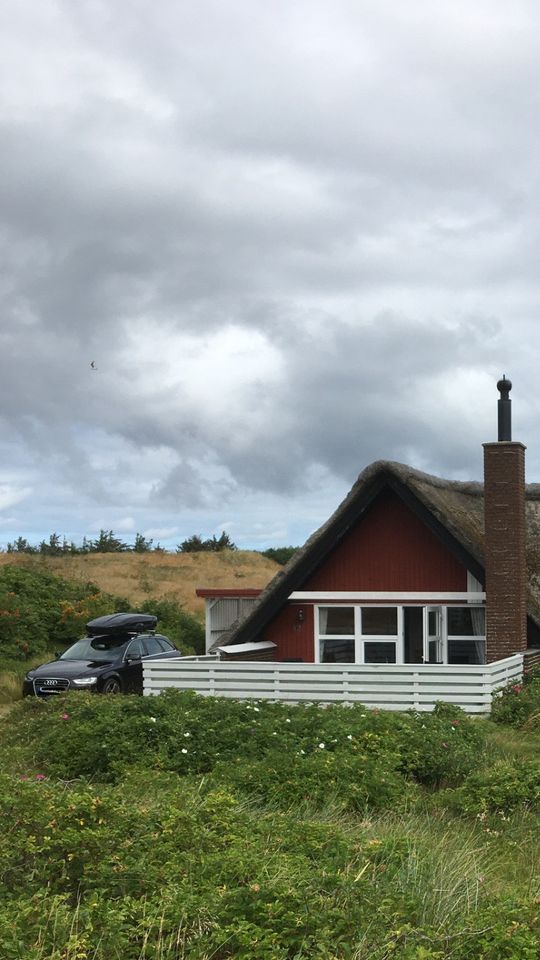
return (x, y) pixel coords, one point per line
(40, 776)
(23, 778)
(65, 716)
(517, 688)
(455, 723)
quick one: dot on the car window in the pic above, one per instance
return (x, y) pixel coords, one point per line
(153, 646)
(166, 644)
(135, 648)
(95, 648)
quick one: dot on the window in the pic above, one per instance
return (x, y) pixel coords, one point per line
(153, 646)
(379, 621)
(379, 652)
(380, 625)
(336, 635)
(466, 634)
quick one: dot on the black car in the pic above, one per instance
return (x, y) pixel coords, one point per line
(108, 660)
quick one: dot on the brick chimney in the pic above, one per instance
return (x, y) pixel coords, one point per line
(504, 523)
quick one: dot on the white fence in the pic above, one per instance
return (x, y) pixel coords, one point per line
(386, 686)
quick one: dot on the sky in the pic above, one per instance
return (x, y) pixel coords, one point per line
(248, 248)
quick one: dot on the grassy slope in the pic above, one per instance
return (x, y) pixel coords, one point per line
(140, 577)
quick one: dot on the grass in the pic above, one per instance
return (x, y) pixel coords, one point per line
(158, 575)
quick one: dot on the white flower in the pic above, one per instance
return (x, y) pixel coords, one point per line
(274, 734)
(363, 715)
(287, 720)
(321, 746)
(349, 736)
(152, 719)
(302, 751)
(187, 734)
(184, 750)
(256, 709)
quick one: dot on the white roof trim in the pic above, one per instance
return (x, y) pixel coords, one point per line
(384, 596)
(248, 647)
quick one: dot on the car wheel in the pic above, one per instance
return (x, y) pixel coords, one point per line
(112, 685)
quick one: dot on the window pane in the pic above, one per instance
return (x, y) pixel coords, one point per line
(466, 621)
(152, 646)
(379, 621)
(336, 620)
(466, 651)
(337, 651)
(379, 652)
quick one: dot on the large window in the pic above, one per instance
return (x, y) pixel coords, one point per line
(400, 634)
(358, 634)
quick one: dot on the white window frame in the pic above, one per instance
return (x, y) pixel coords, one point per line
(399, 640)
(358, 637)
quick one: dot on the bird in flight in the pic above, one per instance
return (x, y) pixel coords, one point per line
(93, 365)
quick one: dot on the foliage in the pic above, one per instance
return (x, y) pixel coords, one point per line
(180, 626)
(280, 555)
(519, 702)
(359, 756)
(187, 827)
(39, 609)
(106, 542)
(502, 788)
(195, 544)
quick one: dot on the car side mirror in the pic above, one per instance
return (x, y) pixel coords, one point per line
(133, 656)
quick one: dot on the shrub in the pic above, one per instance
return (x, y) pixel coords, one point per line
(39, 609)
(180, 626)
(518, 701)
(501, 788)
(442, 747)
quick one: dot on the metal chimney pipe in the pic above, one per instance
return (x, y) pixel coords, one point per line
(504, 410)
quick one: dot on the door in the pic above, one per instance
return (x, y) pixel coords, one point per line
(433, 635)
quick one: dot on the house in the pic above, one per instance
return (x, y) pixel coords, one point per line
(410, 569)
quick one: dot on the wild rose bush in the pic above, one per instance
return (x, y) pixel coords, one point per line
(189, 827)
(518, 702)
(191, 735)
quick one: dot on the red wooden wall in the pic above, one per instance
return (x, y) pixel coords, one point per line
(389, 549)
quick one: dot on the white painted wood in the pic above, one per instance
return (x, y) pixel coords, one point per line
(386, 597)
(383, 686)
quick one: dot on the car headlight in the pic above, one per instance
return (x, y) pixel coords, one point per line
(85, 681)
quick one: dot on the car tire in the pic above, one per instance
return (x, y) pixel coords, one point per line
(112, 685)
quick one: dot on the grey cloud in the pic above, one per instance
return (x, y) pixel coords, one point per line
(355, 184)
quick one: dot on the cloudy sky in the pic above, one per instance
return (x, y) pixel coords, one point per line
(293, 237)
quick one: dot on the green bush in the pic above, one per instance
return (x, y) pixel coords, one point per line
(179, 625)
(518, 702)
(501, 788)
(361, 756)
(39, 610)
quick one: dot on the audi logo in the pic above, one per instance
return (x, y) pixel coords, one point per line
(50, 683)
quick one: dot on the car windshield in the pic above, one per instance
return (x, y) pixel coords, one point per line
(96, 648)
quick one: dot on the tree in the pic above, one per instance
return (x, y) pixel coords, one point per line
(141, 545)
(195, 544)
(107, 543)
(281, 555)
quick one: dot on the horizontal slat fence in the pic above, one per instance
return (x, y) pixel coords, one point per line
(384, 686)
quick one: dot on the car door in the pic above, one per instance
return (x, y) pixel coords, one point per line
(132, 666)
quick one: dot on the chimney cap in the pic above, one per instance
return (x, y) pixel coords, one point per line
(504, 386)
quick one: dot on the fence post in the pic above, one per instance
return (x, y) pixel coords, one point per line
(416, 691)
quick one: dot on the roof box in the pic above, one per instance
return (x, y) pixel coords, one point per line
(121, 623)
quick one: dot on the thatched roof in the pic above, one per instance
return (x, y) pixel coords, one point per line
(453, 509)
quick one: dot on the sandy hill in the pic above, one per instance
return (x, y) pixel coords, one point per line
(139, 576)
